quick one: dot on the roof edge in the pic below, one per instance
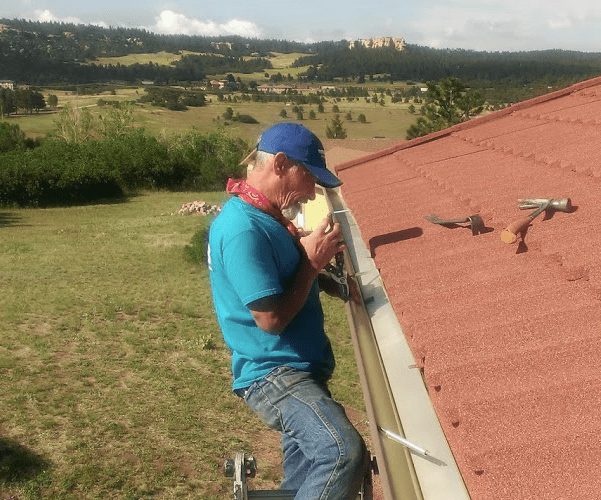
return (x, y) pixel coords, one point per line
(470, 123)
(395, 394)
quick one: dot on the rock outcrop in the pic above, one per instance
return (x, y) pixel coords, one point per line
(379, 43)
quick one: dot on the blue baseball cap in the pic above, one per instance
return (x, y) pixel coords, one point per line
(298, 143)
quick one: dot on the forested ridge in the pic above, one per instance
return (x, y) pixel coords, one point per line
(49, 52)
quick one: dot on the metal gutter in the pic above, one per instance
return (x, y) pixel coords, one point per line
(395, 395)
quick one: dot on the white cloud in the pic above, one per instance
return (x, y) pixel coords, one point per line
(169, 22)
(45, 16)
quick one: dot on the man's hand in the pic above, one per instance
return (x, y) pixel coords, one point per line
(273, 314)
(323, 243)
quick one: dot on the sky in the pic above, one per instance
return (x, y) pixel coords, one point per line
(513, 25)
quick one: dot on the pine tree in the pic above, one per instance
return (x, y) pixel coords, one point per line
(335, 130)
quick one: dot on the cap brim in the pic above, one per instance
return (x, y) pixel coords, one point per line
(250, 159)
(324, 177)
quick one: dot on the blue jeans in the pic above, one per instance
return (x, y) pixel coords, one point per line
(325, 458)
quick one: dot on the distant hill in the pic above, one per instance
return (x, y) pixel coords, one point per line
(45, 53)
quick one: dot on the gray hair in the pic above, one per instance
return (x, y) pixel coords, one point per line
(262, 157)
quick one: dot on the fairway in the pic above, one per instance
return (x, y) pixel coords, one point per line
(115, 381)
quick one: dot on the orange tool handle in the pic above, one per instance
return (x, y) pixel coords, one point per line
(510, 233)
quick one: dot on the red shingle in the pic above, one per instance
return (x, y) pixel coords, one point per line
(509, 335)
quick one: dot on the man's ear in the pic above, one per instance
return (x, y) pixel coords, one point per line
(280, 163)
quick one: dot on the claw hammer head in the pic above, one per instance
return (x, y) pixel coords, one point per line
(511, 233)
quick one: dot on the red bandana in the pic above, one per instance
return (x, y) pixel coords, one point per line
(241, 189)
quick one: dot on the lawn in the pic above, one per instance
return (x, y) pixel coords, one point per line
(114, 378)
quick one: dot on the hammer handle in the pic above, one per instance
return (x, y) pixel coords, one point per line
(510, 233)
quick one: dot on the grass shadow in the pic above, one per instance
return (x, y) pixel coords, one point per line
(18, 463)
(8, 219)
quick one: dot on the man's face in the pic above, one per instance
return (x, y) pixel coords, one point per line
(300, 188)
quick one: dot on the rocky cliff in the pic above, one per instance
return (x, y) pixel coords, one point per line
(378, 43)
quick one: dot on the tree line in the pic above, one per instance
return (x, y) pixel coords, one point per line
(423, 64)
(26, 100)
(43, 53)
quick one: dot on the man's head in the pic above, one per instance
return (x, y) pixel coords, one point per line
(300, 145)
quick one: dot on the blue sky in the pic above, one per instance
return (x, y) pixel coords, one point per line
(513, 25)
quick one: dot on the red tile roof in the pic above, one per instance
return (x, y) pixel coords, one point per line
(508, 335)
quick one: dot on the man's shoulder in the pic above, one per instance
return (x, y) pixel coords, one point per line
(237, 216)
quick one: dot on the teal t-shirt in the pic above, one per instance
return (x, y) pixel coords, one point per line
(252, 256)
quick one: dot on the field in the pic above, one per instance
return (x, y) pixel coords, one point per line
(390, 120)
(115, 382)
(161, 58)
(281, 63)
(114, 376)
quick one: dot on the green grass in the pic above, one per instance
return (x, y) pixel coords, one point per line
(161, 58)
(114, 378)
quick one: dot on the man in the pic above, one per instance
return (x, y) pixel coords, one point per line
(264, 283)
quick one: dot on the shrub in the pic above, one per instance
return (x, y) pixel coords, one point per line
(66, 173)
(56, 173)
(196, 251)
(207, 159)
(246, 119)
(11, 137)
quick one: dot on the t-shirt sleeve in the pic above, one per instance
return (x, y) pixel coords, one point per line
(250, 267)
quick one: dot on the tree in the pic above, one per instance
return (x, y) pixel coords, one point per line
(75, 124)
(7, 101)
(336, 130)
(283, 113)
(449, 102)
(361, 118)
(228, 114)
(119, 121)
(37, 101)
(335, 109)
(312, 115)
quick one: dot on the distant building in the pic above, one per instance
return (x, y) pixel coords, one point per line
(7, 84)
(218, 84)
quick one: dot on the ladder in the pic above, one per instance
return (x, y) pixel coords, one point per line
(244, 466)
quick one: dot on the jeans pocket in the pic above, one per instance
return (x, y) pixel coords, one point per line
(259, 402)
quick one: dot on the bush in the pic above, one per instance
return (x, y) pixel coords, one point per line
(56, 173)
(245, 119)
(11, 137)
(196, 252)
(207, 160)
(67, 173)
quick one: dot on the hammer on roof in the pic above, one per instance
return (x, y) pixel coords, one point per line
(512, 231)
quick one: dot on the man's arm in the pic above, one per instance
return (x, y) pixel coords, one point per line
(273, 314)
